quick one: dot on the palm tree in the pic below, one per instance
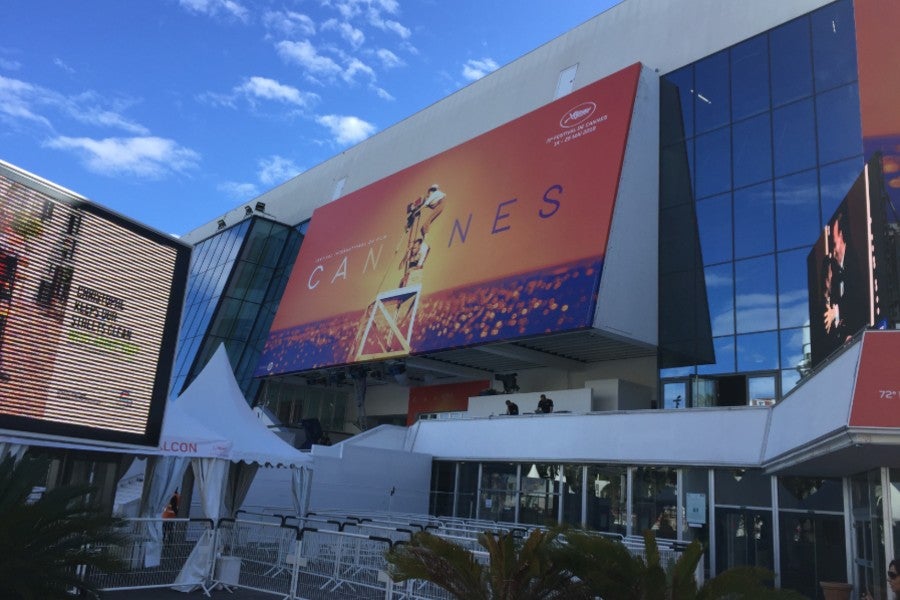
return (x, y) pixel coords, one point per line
(518, 570)
(611, 571)
(44, 541)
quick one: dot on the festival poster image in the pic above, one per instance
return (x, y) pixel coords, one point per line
(498, 238)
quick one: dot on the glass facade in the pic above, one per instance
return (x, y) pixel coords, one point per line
(235, 283)
(766, 142)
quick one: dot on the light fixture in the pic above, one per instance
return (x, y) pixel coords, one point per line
(248, 211)
(261, 207)
(221, 223)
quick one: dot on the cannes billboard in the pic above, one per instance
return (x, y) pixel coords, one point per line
(498, 238)
(89, 309)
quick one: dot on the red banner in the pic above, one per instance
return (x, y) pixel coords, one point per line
(876, 399)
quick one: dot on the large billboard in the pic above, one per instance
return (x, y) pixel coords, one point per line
(89, 309)
(851, 267)
(501, 237)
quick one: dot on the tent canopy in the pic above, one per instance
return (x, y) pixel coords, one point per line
(212, 419)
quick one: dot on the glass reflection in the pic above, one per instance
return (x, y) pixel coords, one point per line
(839, 127)
(794, 137)
(752, 150)
(711, 92)
(797, 210)
(750, 77)
(835, 181)
(793, 294)
(795, 358)
(761, 391)
(713, 163)
(724, 348)
(754, 214)
(757, 352)
(834, 45)
(754, 291)
(720, 296)
(714, 223)
(791, 62)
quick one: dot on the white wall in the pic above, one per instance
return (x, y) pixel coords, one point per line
(563, 400)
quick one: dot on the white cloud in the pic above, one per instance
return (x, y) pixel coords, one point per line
(18, 99)
(95, 115)
(355, 67)
(238, 191)
(388, 59)
(476, 69)
(345, 129)
(289, 23)
(149, 157)
(62, 65)
(269, 89)
(305, 54)
(10, 65)
(383, 93)
(216, 7)
(397, 28)
(275, 170)
(348, 32)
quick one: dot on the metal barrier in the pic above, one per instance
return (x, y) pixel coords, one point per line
(334, 564)
(256, 555)
(152, 561)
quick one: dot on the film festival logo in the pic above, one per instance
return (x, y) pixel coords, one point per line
(390, 318)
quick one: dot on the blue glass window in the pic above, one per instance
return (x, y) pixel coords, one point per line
(838, 124)
(712, 97)
(720, 295)
(757, 351)
(794, 356)
(754, 294)
(754, 221)
(791, 62)
(713, 163)
(834, 183)
(724, 348)
(834, 45)
(750, 77)
(714, 222)
(793, 297)
(752, 140)
(684, 79)
(794, 138)
(797, 210)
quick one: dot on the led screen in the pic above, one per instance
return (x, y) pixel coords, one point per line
(89, 306)
(501, 237)
(850, 268)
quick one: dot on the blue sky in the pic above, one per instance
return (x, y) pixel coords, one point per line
(172, 112)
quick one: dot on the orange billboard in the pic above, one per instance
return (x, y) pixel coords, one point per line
(501, 237)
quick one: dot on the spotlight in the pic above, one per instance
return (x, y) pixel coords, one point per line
(261, 207)
(398, 371)
(509, 382)
(248, 211)
(221, 223)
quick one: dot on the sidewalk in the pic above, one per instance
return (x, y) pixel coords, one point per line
(170, 594)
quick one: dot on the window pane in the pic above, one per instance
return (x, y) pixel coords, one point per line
(712, 101)
(795, 351)
(743, 487)
(791, 62)
(794, 138)
(606, 510)
(714, 221)
(758, 352)
(750, 77)
(724, 348)
(684, 80)
(655, 500)
(761, 390)
(835, 181)
(834, 45)
(713, 163)
(752, 151)
(754, 227)
(797, 210)
(720, 295)
(839, 128)
(793, 295)
(755, 294)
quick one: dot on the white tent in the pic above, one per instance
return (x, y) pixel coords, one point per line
(212, 425)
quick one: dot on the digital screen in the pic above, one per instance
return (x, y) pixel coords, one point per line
(851, 281)
(501, 237)
(89, 310)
